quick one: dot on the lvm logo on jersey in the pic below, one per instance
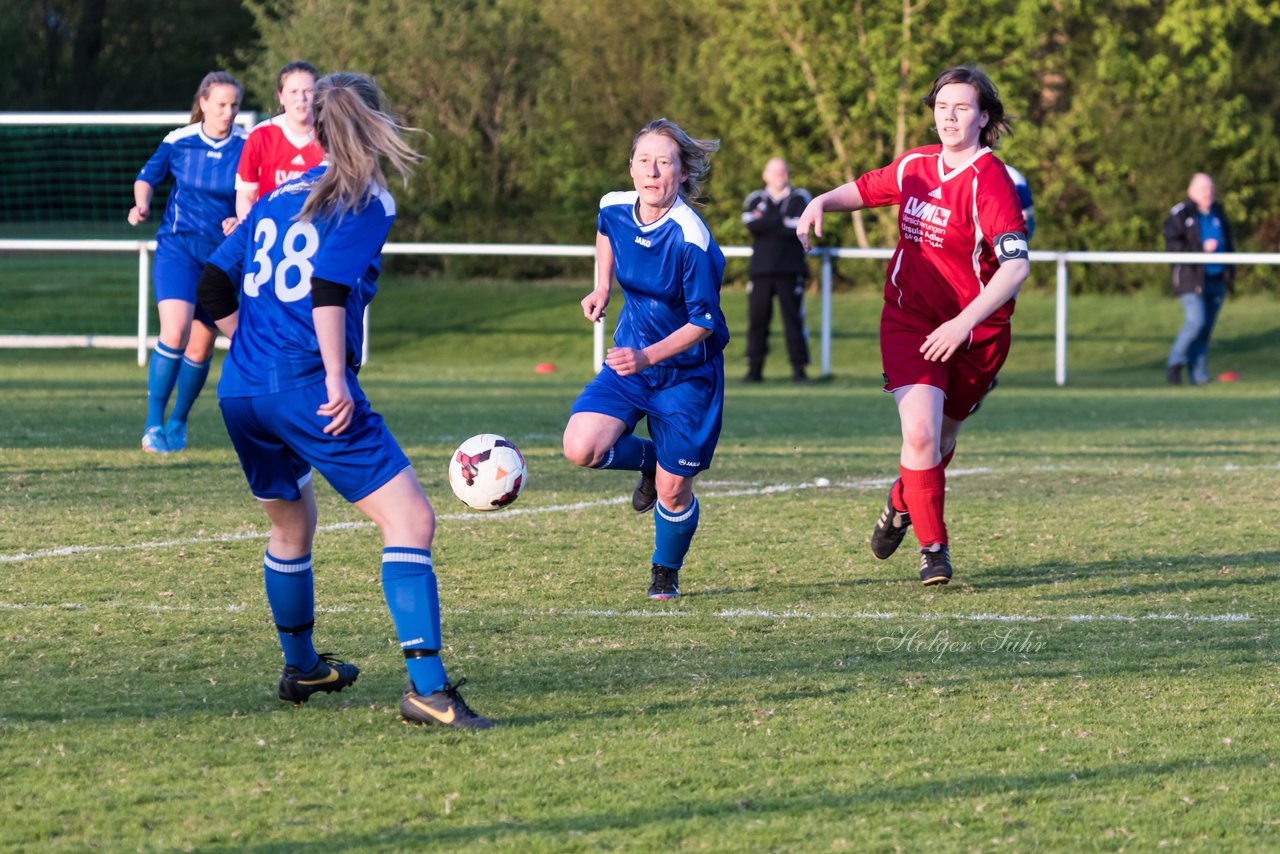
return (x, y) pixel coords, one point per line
(926, 212)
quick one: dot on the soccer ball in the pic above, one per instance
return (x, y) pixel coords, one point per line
(487, 472)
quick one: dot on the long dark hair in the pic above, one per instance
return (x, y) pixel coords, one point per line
(988, 100)
(213, 78)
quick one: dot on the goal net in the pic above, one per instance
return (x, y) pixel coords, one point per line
(69, 177)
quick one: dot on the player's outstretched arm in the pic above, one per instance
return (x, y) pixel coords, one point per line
(142, 192)
(594, 303)
(843, 198)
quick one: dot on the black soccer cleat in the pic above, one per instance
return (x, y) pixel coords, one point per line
(445, 707)
(935, 565)
(646, 494)
(666, 582)
(331, 674)
(890, 528)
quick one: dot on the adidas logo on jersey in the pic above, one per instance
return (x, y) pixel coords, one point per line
(298, 161)
(935, 193)
(644, 241)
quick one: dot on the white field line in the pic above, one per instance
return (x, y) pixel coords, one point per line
(820, 483)
(661, 613)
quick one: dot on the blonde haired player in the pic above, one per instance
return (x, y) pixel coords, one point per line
(307, 262)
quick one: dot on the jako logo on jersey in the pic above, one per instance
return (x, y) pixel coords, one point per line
(644, 241)
(935, 193)
(693, 464)
(927, 211)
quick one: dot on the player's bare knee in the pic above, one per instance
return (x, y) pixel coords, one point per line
(289, 541)
(919, 439)
(582, 450)
(414, 528)
(677, 497)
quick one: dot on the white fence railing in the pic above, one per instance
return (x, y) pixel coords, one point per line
(144, 248)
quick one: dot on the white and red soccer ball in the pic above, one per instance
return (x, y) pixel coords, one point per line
(487, 472)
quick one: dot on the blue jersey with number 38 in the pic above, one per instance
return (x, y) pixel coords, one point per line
(276, 256)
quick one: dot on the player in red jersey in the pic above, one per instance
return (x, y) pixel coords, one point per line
(948, 297)
(283, 147)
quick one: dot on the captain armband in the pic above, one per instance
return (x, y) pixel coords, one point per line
(1010, 246)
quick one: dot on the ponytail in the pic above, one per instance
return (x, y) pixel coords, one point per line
(356, 133)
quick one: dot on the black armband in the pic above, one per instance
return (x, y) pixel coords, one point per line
(216, 293)
(1010, 246)
(325, 293)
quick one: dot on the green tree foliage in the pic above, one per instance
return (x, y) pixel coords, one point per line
(112, 54)
(529, 106)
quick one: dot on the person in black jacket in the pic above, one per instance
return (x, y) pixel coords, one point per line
(1197, 224)
(777, 266)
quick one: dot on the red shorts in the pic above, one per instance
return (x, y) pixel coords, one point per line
(965, 378)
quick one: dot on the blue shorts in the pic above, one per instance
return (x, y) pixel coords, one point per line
(180, 260)
(279, 437)
(684, 406)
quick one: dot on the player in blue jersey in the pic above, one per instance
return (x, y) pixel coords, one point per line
(307, 261)
(667, 365)
(201, 158)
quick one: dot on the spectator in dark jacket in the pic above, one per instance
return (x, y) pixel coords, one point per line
(1197, 224)
(778, 266)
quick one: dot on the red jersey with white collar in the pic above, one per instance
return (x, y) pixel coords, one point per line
(948, 222)
(274, 155)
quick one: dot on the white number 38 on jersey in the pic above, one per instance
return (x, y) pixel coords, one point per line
(300, 243)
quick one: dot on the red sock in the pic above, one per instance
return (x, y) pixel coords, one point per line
(896, 497)
(925, 494)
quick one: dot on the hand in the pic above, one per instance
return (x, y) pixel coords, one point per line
(229, 225)
(340, 407)
(626, 361)
(943, 342)
(1210, 245)
(812, 217)
(138, 213)
(593, 304)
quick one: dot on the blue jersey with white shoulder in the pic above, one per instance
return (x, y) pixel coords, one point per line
(276, 256)
(204, 179)
(670, 271)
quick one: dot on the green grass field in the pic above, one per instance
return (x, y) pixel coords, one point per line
(1102, 675)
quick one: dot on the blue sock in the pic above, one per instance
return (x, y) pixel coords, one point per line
(162, 373)
(672, 534)
(409, 583)
(631, 453)
(191, 377)
(292, 597)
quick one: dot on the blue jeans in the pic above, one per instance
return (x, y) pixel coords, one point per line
(1200, 313)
